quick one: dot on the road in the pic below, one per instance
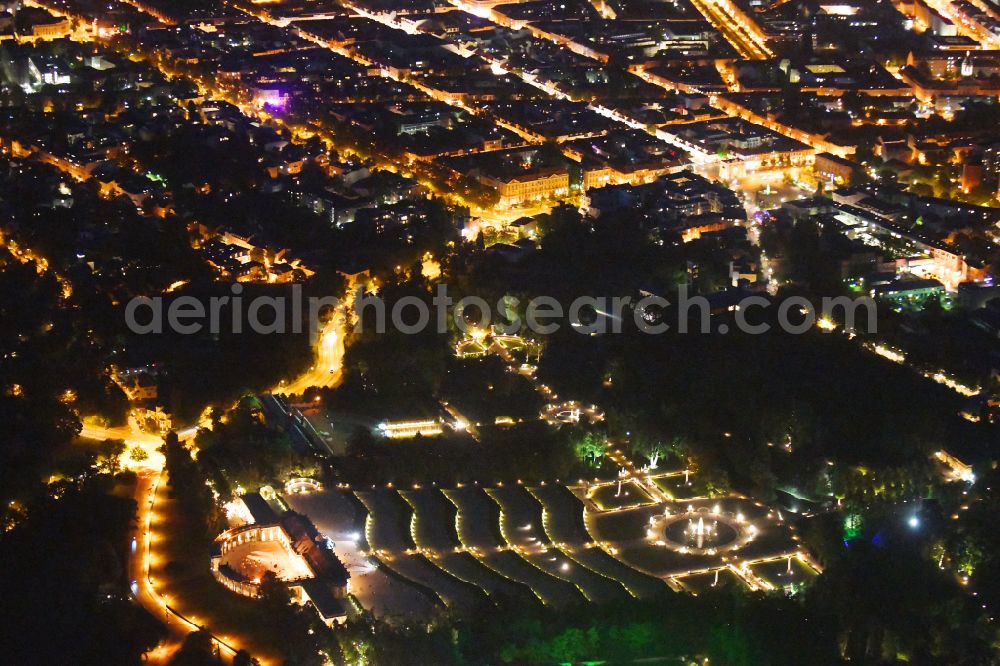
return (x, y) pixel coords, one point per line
(328, 369)
(138, 568)
(141, 551)
(965, 24)
(150, 474)
(736, 26)
(133, 437)
(141, 555)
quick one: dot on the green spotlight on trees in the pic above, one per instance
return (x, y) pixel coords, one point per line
(852, 526)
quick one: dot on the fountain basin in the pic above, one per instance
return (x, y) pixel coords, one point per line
(699, 531)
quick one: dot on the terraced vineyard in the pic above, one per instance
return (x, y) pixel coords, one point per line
(478, 523)
(562, 518)
(433, 528)
(387, 529)
(522, 526)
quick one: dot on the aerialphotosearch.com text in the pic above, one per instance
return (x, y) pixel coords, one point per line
(542, 315)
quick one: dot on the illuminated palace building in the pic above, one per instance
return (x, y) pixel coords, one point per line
(286, 544)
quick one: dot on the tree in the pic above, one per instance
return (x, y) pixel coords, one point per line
(198, 649)
(91, 627)
(243, 450)
(289, 622)
(109, 454)
(712, 482)
(970, 556)
(763, 477)
(187, 484)
(654, 448)
(243, 658)
(360, 442)
(888, 601)
(273, 594)
(590, 448)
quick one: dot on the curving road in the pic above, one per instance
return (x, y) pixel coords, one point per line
(327, 370)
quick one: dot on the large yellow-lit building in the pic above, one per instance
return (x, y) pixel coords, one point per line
(530, 186)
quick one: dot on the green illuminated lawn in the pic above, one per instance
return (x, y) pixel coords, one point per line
(700, 583)
(781, 576)
(607, 498)
(675, 487)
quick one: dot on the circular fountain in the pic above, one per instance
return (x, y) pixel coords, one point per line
(571, 412)
(702, 531)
